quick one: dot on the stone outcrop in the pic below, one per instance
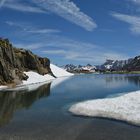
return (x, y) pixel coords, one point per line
(14, 61)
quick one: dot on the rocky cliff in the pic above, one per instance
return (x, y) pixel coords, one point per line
(115, 65)
(14, 61)
(134, 65)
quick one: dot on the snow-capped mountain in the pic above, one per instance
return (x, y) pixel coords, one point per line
(133, 65)
(114, 64)
(79, 68)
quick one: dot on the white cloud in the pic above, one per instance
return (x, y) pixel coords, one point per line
(135, 1)
(28, 46)
(63, 8)
(69, 11)
(77, 51)
(44, 31)
(133, 21)
(2, 3)
(58, 52)
(31, 29)
(88, 56)
(62, 47)
(19, 6)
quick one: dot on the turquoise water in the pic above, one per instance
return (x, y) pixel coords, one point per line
(42, 114)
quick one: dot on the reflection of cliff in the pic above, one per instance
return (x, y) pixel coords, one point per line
(12, 101)
(133, 79)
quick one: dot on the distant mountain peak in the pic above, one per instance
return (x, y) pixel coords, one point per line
(79, 68)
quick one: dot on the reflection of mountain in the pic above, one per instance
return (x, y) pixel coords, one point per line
(12, 101)
(133, 79)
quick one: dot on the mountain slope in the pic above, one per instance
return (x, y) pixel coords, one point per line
(59, 72)
(79, 69)
(115, 64)
(134, 65)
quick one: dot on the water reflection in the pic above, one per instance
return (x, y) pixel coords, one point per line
(11, 101)
(58, 81)
(134, 79)
(48, 118)
(19, 98)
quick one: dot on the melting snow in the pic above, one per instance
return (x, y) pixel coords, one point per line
(59, 72)
(125, 108)
(35, 79)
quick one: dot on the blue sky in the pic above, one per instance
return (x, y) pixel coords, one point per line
(73, 31)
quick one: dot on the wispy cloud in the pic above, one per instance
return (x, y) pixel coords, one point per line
(73, 50)
(44, 31)
(69, 11)
(20, 6)
(92, 56)
(2, 3)
(28, 46)
(52, 44)
(133, 21)
(63, 8)
(26, 27)
(135, 1)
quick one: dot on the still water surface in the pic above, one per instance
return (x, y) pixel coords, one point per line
(42, 114)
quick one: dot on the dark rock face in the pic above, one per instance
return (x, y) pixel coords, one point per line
(115, 65)
(14, 61)
(134, 65)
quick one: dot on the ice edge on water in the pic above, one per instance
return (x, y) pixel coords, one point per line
(125, 108)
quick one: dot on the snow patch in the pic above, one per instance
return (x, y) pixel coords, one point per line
(3, 87)
(36, 78)
(59, 72)
(124, 108)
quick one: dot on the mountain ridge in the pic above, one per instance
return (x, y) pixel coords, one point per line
(132, 64)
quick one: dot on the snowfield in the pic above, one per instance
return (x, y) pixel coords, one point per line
(35, 79)
(59, 72)
(124, 108)
(3, 87)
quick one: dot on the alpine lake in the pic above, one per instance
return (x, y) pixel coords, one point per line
(42, 113)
